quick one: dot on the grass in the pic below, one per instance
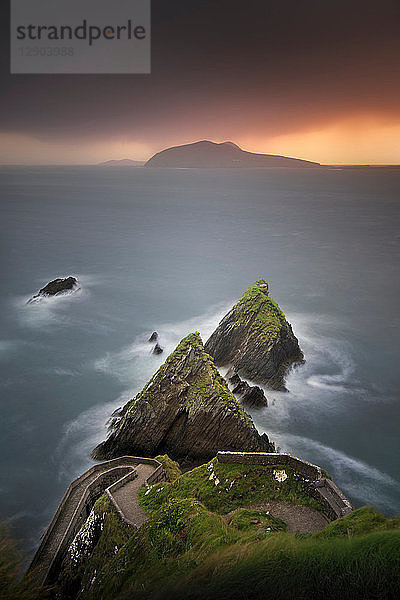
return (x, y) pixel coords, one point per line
(169, 543)
(282, 567)
(11, 588)
(361, 521)
(259, 521)
(223, 487)
(170, 466)
(188, 550)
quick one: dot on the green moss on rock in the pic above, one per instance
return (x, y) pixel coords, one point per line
(259, 312)
(206, 384)
(171, 466)
(255, 338)
(186, 410)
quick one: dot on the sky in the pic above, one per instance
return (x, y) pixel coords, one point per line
(312, 79)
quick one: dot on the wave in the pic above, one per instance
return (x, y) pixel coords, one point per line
(60, 371)
(8, 347)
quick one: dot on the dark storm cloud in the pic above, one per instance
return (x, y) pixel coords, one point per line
(278, 65)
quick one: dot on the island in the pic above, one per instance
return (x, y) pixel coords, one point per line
(206, 154)
(122, 162)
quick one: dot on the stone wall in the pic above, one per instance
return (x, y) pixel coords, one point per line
(116, 486)
(325, 491)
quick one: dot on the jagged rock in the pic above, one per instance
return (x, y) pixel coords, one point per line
(157, 349)
(239, 386)
(153, 337)
(57, 286)
(186, 410)
(255, 338)
(254, 397)
(251, 396)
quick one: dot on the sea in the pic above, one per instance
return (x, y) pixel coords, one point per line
(171, 250)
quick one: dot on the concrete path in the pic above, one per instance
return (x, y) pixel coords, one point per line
(126, 497)
(297, 518)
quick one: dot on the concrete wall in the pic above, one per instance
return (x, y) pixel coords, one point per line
(91, 493)
(325, 491)
(92, 486)
(116, 486)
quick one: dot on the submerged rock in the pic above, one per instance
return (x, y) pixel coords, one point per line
(186, 410)
(57, 286)
(255, 338)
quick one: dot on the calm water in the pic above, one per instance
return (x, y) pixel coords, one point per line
(171, 251)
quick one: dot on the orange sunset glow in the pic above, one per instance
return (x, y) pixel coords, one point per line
(357, 140)
(318, 81)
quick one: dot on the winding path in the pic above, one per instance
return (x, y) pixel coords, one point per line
(125, 498)
(128, 471)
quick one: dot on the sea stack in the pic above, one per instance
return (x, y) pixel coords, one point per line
(186, 410)
(256, 339)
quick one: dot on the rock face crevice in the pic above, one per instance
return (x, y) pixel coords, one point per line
(256, 339)
(185, 410)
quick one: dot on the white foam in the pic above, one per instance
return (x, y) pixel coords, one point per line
(48, 311)
(82, 434)
(136, 363)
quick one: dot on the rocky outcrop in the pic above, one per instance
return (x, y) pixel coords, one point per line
(251, 396)
(255, 338)
(153, 337)
(57, 287)
(157, 349)
(186, 410)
